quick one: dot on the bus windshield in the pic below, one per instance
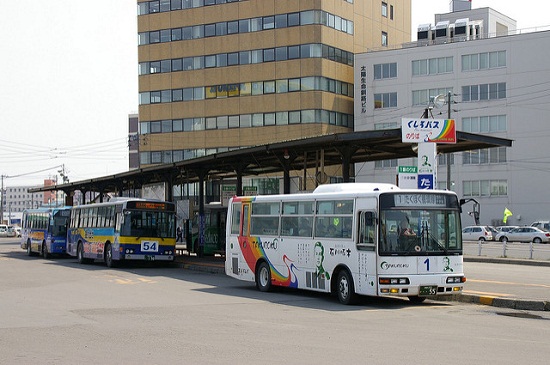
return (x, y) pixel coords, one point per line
(139, 223)
(60, 220)
(419, 232)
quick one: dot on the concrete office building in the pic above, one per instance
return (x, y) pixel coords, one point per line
(500, 87)
(217, 75)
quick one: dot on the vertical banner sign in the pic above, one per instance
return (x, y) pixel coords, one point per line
(427, 165)
(363, 84)
(407, 177)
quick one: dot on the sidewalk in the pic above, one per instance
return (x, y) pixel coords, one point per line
(216, 265)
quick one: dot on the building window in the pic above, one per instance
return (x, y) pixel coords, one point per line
(484, 92)
(423, 97)
(384, 9)
(484, 124)
(384, 39)
(432, 66)
(483, 61)
(484, 156)
(385, 100)
(385, 71)
(485, 188)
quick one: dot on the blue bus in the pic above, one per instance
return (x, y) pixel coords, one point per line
(44, 231)
(123, 229)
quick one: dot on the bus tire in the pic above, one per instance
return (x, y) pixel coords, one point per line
(80, 254)
(29, 249)
(345, 290)
(263, 277)
(109, 256)
(45, 253)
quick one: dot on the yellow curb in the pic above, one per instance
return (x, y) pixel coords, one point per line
(486, 300)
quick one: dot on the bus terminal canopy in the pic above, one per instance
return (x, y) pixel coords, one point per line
(281, 157)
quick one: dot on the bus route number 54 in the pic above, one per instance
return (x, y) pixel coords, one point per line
(149, 246)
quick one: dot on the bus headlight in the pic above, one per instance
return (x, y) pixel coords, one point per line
(455, 279)
(393, 281)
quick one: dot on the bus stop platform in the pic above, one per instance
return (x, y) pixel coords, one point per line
(484, 293)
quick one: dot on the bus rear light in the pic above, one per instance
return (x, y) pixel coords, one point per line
(457, 288)
(394, 290)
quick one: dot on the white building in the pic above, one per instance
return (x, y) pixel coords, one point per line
(500, 86)
(16, 200)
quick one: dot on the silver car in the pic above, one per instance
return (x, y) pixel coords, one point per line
(524, 234)
(477, 233)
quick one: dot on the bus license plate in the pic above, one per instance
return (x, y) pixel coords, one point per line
(149, 258)
(427, 290)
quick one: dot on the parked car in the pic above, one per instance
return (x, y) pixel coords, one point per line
(525, 234)
(544, 225)
(505, 228)
(3, 232)
(11, 231)
(477, 233)
(18, 231)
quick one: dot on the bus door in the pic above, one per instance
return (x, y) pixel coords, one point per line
(366, 283)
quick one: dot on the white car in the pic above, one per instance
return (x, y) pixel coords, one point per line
(524, 234)
(477, 233)
(501, 229)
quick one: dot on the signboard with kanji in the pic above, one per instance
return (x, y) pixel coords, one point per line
(428, 130)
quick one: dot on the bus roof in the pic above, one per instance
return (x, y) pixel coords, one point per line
(354, 188)
(46, 209)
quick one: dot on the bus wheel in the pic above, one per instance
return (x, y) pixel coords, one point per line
(263, 277)
(29, 250)
(109, 256)
(45, 253)
(80, 254)
(345, 288)
(416, 299)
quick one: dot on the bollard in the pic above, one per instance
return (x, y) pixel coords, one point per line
(531, 250)
(504, 248)
(479, 247)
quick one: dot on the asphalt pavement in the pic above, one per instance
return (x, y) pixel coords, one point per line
(513, 283)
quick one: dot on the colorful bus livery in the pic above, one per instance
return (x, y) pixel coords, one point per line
(121, 230)
(44, 231)
(349, 240)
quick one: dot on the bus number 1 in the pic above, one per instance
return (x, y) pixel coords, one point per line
(427, 262)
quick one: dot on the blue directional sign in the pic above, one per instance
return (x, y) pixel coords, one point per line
(426, 181)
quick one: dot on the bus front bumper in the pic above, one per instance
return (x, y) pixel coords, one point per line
(148, 257)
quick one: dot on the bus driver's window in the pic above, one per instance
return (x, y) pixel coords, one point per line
(366, 231)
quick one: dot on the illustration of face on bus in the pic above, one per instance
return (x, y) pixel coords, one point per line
(319, 252)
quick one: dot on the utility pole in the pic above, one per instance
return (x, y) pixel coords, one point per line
(2, 199)
(449, 154)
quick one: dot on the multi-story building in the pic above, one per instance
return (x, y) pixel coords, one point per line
(499, 86)
(217, 75)
(16, 200)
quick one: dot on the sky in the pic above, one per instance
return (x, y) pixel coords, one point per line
(68, 80)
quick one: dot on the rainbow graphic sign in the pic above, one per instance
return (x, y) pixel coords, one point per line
(428, 130)
(253, 248)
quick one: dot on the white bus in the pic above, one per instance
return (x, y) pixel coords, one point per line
(349, 239)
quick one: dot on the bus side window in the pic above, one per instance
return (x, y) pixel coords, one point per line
(235, 218)
(367, 230)
(246, 219)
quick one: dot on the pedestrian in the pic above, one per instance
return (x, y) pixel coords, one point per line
(179, 234)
